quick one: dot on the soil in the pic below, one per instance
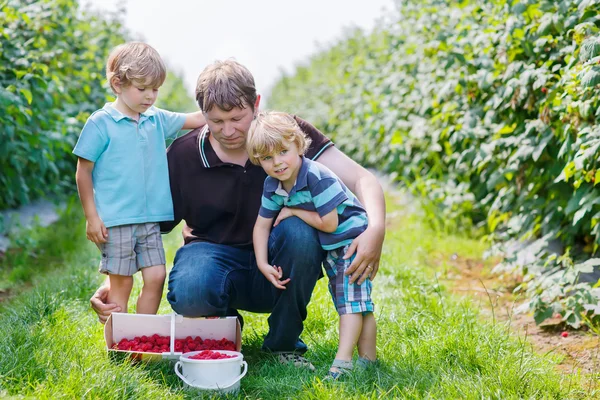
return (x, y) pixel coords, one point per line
(4, 294)
(577, 353)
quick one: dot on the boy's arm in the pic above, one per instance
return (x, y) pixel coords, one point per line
(369, 192)
(327, 223)
(95, 229)
(194, 120)
(260, 239)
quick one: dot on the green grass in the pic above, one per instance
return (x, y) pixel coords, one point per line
(430, 344)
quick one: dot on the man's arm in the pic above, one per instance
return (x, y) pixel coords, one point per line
(99, 304)
(194, 120)
(368, 190)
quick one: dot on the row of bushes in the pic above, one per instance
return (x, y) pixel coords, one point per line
(52, 58)
(488, 109)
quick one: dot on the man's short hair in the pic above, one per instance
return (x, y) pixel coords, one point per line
(227, 85)
(135, 62)
(271, 132)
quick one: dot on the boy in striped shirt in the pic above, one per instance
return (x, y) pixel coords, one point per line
(299, 187)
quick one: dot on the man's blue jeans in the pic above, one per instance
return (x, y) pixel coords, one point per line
(209, 279)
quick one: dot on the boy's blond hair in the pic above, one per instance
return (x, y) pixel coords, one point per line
(135, 62)
(272, 132)
(225, 84)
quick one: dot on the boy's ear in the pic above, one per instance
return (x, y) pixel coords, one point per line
(257, 103)
(115, 83)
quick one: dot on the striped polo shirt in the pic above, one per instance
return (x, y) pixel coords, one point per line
(318, 189)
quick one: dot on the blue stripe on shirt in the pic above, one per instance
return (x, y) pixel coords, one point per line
(319, 189)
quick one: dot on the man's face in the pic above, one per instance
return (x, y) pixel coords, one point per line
(229, 128)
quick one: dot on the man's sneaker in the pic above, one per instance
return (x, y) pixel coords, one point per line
(296, 359)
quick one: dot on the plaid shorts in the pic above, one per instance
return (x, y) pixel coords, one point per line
(349, 298)
(130, 248)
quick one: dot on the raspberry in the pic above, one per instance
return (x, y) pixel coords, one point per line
(159, 344)
(564, 334)
(210, 355)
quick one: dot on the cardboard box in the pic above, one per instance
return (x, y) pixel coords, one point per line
(122, 325)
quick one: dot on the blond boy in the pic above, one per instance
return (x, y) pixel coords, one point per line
(297, 186)
(122, 175)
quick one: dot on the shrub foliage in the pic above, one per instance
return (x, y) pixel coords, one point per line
(52, 58)
(489, 109)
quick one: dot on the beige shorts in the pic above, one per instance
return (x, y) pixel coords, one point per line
(130, 248)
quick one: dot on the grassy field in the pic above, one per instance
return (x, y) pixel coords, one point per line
(430, 343)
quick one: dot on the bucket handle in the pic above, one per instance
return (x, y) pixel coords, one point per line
(236, 380)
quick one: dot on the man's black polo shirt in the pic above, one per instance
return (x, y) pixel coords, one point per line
(219, 201)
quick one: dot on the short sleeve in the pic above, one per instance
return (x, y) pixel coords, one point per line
(270, 205)
(319, 142)
(327, 195)
(171, 122)
(92, 142)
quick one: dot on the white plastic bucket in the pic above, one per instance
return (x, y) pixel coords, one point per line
(221, 375)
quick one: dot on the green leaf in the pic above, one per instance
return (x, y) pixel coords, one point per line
(587, 266)
(589, 48)
(591, 78)
(27, 94)
(541, 315)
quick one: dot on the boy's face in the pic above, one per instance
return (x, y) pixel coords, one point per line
(283, 165)
(137, 97)
(230, 128)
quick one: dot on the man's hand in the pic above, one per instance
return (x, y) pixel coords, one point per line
(96, 231)
(99, 305)
(285, 212)
(367, 246)
(274, 274)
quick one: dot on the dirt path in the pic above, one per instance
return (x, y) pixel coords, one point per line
(577, 353)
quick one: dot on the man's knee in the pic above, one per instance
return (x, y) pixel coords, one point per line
(192, 300)
(297, 248)
(195, 287)
(295, 236)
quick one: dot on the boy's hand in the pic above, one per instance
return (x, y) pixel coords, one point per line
(274, 274)
(285, 212)
(96, 231)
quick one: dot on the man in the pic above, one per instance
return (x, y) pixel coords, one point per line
(217, 191)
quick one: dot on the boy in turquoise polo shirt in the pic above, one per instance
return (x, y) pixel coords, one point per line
(297, 186)
(122, 175)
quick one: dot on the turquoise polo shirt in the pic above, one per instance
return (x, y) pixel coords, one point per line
(318, 189)
(130, 176)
